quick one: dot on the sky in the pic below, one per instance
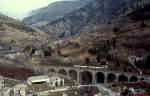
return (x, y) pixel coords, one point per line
(19, 9)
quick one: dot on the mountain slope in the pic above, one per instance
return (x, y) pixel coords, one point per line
(121, 46)
(17, 41)
(91, 17)
(53, 11)
(16, 38)
(14, 33)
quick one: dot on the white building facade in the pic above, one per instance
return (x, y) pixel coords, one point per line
(57, 82)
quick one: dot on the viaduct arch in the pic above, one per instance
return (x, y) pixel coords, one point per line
(100, 77)
(94, 76)
(133, 79)
(86, 77)
(122, 78)
(73, 74)
(111, 78)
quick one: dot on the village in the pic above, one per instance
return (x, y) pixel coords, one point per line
(59, 85)
(74, 47)
(36, 86)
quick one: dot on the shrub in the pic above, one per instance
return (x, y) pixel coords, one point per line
(143, 24)
(87, 60)
(92, 51)
(116, 29)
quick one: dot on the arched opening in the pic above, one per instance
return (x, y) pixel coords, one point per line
(133, 79)
(73, 74)
(142, 79)
(51, 71)
(41, 71)
(100, 77)
(123, 78)
(63, 72)
(86, 77)
(111, 78)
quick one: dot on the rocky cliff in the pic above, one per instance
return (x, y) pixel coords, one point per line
(54, 11)
(91, 17)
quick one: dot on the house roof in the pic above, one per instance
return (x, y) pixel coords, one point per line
(39, 78)
(21, 86)
(44, 78)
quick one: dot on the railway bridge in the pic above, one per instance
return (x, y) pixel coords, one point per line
(92, 75)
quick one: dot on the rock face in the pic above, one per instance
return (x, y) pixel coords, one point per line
(54, 11)
(90, 17)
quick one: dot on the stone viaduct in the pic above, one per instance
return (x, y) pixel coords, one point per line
(92, 75)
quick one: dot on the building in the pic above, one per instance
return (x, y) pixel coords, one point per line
(56, 81)
(20, 90)
(42, 85)
(2, 84)
(53, 81)
(38, 79)
(6, 91)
